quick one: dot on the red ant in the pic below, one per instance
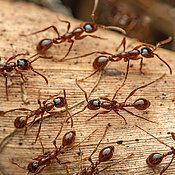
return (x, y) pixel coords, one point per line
(145, 52)
(155, 159)
(113, 105)
(19, 67)
(44, 160)
(76, 34)
(44, 107)
(104, 155)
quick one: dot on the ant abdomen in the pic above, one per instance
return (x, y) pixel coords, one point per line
(33, 167)
(23, 64)
(44, 45)
(141, 104)
(100, 62)
(106, 154)
(94, 104)
(68, 138)
(154, 159)
(20, 122)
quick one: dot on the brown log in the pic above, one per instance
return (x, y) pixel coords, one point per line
(16, 18)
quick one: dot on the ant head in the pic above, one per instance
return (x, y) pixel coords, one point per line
(20, 122)
(68, 138)
(44, 45)
(100, 62)
(90, 27)
(146, 52)
(59, 102)
(23, 64)
(33, 167)
(154, 159)
(141, 104)
(94, 104)
(106, 153)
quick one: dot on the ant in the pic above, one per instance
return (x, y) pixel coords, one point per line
(146, 51)
(44, 107)
(113, 105)
(155, 159)
(75, 34)
(20, 66)
(104, 155)
(44, 160)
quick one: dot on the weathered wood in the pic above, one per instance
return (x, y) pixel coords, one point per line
(16, 18)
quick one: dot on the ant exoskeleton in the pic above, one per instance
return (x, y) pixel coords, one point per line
(75, 34)
(104, 155)
(44, 160)
(20, 66)
(113, 105)
(44, 107)
(146, 51)
(155, 159)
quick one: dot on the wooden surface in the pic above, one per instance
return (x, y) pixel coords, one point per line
(16, 18)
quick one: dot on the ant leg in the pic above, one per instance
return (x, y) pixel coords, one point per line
(133, 92)
(128, 157)
(126, 75)
(95, 149)
(103, 112)
(6, 87)
(138, 116)
(121, 116)
(164, 63)
(84, 36)
(42, 146)
(141, 45)
(13, 57)
(38, 58)
(89, 75)
(122, 43)
(66, 108)
(85, 94)
(141, 64)
(85, 55)
(54, 141)
(167, 166)
(78, 112)
(39, 129)
(153, 136)
(93, 11)
(72, 42)
(39, 74)
(68, 24)
(20, 109)
(97, 82)
(30, 123)
(113, 28)
(47, 28)
(17, 164)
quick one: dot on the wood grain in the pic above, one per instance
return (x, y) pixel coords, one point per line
(16, 18)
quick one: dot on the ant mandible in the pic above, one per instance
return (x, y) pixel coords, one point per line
(44, 160)
(155, 159)
(145, 52)
(19, 67)
(75, 34)
(113, 105)
(44, 107)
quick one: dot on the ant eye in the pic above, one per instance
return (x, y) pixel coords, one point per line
(154, 159)
(141, 104)
(96, 103)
